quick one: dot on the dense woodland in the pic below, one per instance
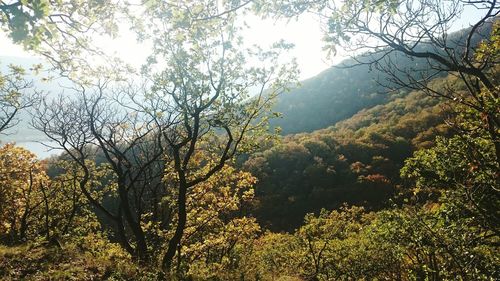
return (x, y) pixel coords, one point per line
(213, 162)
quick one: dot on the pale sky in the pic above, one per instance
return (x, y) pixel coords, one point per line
(305, 33)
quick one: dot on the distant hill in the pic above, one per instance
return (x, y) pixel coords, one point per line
(344, 142)
(356, 161)
(333, 95)
(340, 92)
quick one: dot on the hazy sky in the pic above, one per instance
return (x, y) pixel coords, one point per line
(305, 34)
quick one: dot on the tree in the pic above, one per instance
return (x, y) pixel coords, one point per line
(435, 241)
(463, 168)
(97, 131)
(273, 256)
(66, 213)
(63, 32)
(34, 205)
(207, 98)
(217, 231)
(218, 95)
(21, 181)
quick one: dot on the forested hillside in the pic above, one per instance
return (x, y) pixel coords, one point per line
(329, 97)
(356, 161)
(353, 85)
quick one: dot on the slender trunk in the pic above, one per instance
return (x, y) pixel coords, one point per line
(69, 222)
(487, 83)
(13, 229)
(141, 247)
(24, 224)
(46, 204)
(74, 209)
(120, 232)
(27, 210)
(174, 242)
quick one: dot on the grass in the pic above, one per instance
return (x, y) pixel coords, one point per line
(42, 262)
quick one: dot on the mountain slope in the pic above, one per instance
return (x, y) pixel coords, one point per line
(343, 90)
(327, 98)
(357, 161)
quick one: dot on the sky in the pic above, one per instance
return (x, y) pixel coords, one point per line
(305, 33)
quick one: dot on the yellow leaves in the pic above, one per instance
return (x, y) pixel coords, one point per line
(246, 180)
(248, 195)
(100, 247)
(214, 229)
(148, 225)
(197, 9)
(489, 49)
(17, 165)
(159, 114)
(223, 192)
(180, 37)
(21, 177)
(218, 247)
(18, 71)
(6, 225)
(12, 97)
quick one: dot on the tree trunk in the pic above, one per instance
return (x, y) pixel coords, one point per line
(120, 232)
(47, 215)
(141, 250)
(179, 230)
(23, 229)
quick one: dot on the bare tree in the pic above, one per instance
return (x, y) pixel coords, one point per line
(95, 127)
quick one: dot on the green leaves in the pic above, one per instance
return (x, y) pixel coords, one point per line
(41, 8)
(61, 30)
(450, 163)
(26, 21)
